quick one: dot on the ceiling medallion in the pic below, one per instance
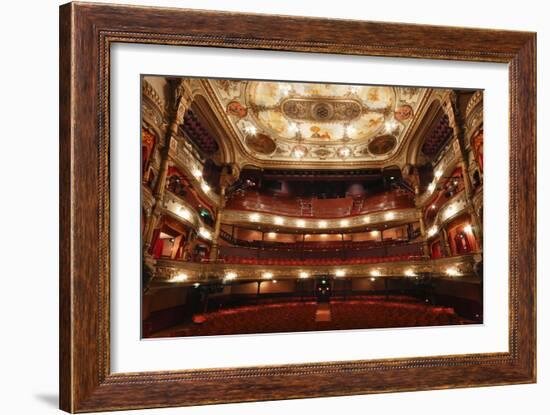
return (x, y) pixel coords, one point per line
(237, 109)
(323, 109)
(403, 112)
(382, 144)
(261, 143)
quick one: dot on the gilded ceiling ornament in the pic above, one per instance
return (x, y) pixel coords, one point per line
(403, 112)
(261, 143)
(382, 145)
(321, 109)
(322, 152)
(316, 120)
(237, 109)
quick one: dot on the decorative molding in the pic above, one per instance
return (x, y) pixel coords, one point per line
(296, 223)
(168, 270)
(153, 110)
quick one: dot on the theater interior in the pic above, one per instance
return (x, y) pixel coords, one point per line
(288, 207)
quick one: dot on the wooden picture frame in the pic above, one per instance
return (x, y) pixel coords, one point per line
(86, 33)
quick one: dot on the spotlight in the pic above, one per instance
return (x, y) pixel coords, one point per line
(304, 274)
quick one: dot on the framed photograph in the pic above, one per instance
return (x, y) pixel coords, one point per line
(259, 207)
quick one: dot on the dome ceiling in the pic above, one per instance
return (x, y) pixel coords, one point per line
(300, 122)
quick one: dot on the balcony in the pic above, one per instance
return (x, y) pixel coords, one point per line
(171, 272)
(321, 254)
(320, 208)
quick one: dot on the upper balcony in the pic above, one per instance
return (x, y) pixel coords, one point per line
(320, 208)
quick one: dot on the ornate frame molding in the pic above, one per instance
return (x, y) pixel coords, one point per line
(87, 31)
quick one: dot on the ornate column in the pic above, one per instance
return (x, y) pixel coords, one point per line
(425, 247)
(445, 241)
(189, 245)
(228, 176)
(179, 105)
(477, 229)
(451, 109)
(217, 225)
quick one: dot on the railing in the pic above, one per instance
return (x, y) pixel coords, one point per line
(169, 271)
(349, 252)
(240, 217)
(451, 208)
(320, 208)
(190, 162)
(185, 212)
(447, 161)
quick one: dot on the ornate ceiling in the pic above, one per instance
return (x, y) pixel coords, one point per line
(307, 122)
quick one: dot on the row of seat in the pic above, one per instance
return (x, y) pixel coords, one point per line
(318, 261)
(300, 316)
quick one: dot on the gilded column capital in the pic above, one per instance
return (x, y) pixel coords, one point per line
(182, 101)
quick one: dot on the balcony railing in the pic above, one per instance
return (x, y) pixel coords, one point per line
(170, 272)
(396, 216)
(449, 157)
(190, 163)
(350, 253)
(312, 207)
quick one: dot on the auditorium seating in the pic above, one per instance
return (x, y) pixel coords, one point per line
(318, 261)
(352, 254)
(361, 312)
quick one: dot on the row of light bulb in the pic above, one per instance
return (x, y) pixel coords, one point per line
(301, 223)
(182, 277)
(433, 230)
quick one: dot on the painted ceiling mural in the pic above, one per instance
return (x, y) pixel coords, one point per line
(291, 121)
